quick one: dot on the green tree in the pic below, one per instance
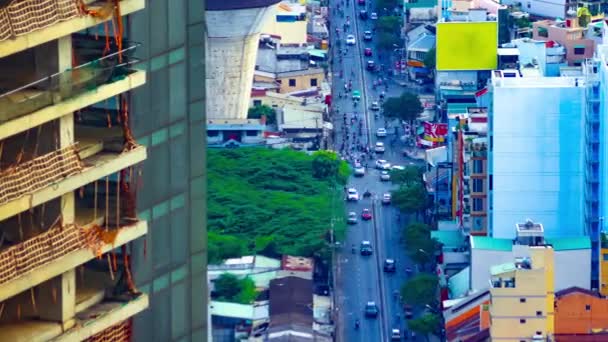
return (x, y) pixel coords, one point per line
(258, 111)
(405, 107)
(388, 4)
(387, 40)
(229, 288)
(420, 290)
(410, 198)
(410, 175)
(430, 59)
(389, 24)
(325, 165)
(426, 324)
(221, 247)
(420, 246)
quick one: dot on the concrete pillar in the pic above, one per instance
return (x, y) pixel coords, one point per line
(58, 295)
(57, 299)
(231, 51)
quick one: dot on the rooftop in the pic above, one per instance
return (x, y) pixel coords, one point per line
(424, 43)
(459, 283)
(296, 263)
(291, 300)
(502, 268)
(281, 60)
(449, 238)
(559, 244)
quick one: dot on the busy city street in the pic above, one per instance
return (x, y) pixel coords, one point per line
(365, 281)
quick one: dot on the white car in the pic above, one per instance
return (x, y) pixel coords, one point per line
(367, 35)
(395, 335)
(382, 164)
(381, 132)
(352, 194)
(386, 198)
(352, 218)
(385, 176)
(379, 148)
(375, 106)
(350, 40)
(359, 171)
(373, 16)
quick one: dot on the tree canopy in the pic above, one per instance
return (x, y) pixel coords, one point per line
(388, 4)
(430, 59)
(270, 202)
(257, 112)
(420, 290)
(229, 288)
(420, 246)
(405, 107)
(426, 324)
(389, 24)
(327, 166)
(410, 175)
(410, 198)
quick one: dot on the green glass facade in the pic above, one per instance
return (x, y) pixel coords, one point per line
(168, 117)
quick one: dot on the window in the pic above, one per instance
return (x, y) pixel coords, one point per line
(477, 166)
(213, 133)
(251, 133)
(542, 32)
(477, 185)
(490, 183)
(313, 82)
(539, 313)
(588, 307)
(257, 103)
(522, 321)
(522, 300)
(579, 50)
(292, 82)
(539, 332)
(605, 257)
(477, 204)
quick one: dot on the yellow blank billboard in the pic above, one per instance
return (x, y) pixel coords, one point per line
(467, 45)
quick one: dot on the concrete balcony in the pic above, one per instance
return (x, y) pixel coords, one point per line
(51, 98)
(105, 315)
(99, 162)
(24, 273)
(62, 27)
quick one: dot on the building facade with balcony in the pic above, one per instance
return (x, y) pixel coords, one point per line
(570, 35)
(580, 315)
(89, 252)
(522, 297)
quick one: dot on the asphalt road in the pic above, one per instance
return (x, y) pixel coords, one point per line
(361, 278)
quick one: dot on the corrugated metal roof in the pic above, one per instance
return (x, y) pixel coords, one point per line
(424, 43)
(484, 242)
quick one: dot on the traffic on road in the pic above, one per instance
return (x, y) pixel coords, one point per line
(373, 264)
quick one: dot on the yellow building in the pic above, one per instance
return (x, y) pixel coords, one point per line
(604, 271)
(68, 172)
(289, 23)
(522, 296)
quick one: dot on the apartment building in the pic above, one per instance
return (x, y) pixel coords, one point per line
(522, 297)
(569, 34)
(90, 239)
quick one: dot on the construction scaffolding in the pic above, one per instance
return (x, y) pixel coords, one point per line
(21, 17)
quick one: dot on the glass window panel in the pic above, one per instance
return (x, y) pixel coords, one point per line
(198, 262)
(179, 309)
(177, 55)
(196, 11)
(161, 310)
(195, 67)
(177, 29)
(160, 89)
(197, 160)
(141, 259)
(179, 229)
(197, 297)
(179, 164)
(158, 26)
(161, 162)
(177, 89)
(197, 232)
(141, 324)
(161, 243)
(197, 109)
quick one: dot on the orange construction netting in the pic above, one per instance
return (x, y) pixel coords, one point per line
(120, 332)
(21, 17)
(33, 175)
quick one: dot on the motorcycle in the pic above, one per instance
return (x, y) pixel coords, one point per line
(357, 325)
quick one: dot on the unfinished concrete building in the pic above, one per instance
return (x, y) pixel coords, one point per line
(69, 171)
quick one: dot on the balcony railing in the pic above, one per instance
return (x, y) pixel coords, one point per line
(21, 17)
(61, 86)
